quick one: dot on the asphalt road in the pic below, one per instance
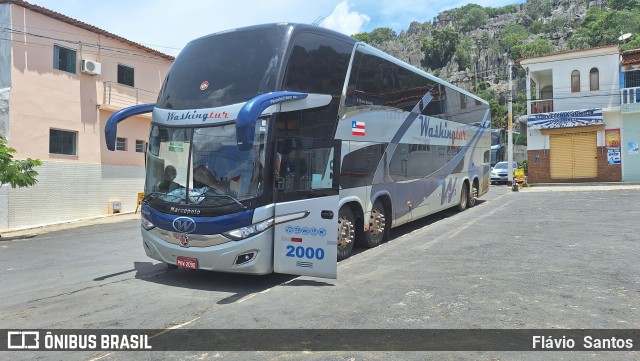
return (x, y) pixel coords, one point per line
(518, 260)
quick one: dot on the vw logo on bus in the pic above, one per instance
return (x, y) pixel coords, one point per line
(184, 224)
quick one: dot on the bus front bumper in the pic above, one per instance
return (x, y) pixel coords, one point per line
(227, 257)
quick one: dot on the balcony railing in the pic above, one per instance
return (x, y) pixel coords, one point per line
(541, 106)
(630, 99)
(122, 96)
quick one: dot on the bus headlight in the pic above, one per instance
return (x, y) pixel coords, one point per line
(252, 230)
(146, 224)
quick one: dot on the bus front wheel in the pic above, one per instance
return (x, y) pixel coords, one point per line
(346, 232)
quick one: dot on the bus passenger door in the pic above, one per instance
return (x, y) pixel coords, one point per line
(306, 209)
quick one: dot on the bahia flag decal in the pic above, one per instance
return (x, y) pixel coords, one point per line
(357, 128)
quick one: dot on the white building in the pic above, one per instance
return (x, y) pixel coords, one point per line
(573, 108)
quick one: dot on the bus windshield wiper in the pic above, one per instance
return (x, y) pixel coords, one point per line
(210, 192)
(161, 194)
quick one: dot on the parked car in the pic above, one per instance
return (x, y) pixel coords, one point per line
(500, 172)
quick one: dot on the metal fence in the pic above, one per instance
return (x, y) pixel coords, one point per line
(119, 95)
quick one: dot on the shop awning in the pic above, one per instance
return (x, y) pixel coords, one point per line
(568, 119)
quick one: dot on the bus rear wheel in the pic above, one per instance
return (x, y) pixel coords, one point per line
(464, 198)
(377, 225)
(346, 232)
(473, 195)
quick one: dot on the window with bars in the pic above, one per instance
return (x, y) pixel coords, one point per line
(62, 142)
(594, 79)
(139, 146)
(632, 79)
(121, 144)
(575, 81)
(64, 59)
(125, 75)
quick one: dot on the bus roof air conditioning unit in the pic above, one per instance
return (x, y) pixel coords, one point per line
(91, 67)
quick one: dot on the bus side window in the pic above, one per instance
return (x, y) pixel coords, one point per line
(305, 170)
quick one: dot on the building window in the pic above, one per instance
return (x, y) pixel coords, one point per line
(594, 79)
(546, 93)
(140, 146)
(121, 144)
(125, 75)
(575, 81)
(64, 59)
(632, 79)
(62, 142)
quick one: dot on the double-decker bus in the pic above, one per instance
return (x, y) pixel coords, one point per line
(276, 148)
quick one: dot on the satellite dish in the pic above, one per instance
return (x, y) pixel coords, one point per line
(624, 37)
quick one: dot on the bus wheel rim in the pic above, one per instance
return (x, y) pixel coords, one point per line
(346, 232)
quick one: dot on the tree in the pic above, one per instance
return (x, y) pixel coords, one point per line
(440, 47)
(623, 4)
(380, 35)
(541, 46)
(631, 44)
(604, 27)
(537, 9)
(377, 36)
(16, 173)
(463, 51)
(475, 18)
(498, 112)
(513, 35)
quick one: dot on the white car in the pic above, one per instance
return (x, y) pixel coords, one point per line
(500, 171)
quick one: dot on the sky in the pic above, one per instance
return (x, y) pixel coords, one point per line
(168, 25)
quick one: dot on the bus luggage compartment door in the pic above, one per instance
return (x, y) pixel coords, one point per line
(306, 230)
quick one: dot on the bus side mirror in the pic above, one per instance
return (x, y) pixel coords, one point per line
(249, 113)
(111, 128)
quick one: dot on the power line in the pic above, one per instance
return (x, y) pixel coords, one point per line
(77, 42)
(90, 34)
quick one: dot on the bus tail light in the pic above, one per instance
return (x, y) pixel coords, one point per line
(252, 230)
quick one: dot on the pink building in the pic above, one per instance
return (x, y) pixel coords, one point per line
(60, 80)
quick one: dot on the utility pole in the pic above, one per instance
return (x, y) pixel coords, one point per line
(510, 126)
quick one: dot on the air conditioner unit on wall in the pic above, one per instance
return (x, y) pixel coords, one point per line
(91, 67)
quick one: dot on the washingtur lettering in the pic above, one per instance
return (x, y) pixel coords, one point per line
(438, 129)
(173, 116)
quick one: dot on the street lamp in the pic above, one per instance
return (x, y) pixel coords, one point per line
(510, 127)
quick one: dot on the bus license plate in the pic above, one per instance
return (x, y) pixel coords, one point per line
(185, 262)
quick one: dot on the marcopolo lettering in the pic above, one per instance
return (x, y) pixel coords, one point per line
(185, 210)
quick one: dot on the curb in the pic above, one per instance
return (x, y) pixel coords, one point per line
(585, 184)
(33, 231)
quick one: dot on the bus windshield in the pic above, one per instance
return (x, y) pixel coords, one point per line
(224, 69)
(203, 166)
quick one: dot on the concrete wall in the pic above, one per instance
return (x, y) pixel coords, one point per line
(60, 197)
(630, 134)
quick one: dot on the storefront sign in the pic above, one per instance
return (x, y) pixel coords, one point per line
(613, 156)
(574, 118)
(612, 138)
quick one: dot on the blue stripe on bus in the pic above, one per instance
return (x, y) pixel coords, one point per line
(204, 225)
